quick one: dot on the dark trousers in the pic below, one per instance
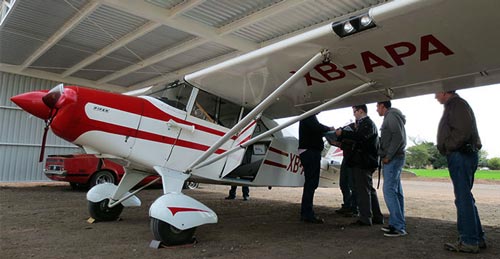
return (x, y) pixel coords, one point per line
(369, 208)
(346, 184)
(245, 190)
(311, 161)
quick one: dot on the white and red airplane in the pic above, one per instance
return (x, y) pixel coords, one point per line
(216, 124)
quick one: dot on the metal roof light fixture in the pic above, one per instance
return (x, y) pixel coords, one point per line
(353, 25)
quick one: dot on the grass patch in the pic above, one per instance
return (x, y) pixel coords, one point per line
(443, 173)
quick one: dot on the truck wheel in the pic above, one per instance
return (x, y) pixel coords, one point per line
(102, 177)
(169, 234)
(101, 212)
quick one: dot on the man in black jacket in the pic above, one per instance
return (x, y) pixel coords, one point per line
(310, 146)
(364, 161)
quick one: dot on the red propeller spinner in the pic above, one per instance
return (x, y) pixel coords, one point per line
(44, 105)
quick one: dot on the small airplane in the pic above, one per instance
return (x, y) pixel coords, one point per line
(216, 125)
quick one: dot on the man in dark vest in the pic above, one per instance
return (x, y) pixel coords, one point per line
(310, 146)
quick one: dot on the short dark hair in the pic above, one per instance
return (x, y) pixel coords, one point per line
(387, 104)
(361, 106)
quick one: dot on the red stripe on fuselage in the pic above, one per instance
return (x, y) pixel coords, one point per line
(151, 111)
(278, 151)
(72, 121)
(272, 163)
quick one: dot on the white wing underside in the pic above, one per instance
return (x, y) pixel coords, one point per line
(417, 47)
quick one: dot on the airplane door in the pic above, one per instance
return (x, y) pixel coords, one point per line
(211, 117)
(162, 121)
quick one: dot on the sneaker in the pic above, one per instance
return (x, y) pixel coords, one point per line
(246, 198)
(461, 247)
(395, 233)
(230, 198)
(387, 229)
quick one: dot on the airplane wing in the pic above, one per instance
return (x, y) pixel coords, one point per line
(411, 48)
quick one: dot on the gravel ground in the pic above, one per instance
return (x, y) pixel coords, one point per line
(49, 220)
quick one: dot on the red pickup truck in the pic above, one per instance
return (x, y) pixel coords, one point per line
(83, 170)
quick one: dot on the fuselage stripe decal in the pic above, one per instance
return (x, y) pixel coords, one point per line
(278, 151)
(272, 163)
(248, 127)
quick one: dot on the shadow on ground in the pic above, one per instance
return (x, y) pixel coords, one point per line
(50, 222)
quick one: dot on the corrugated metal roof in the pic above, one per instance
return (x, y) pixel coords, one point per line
(167, 4)
(104, 26)
(153, 42)
(149, 38)
(217, 13)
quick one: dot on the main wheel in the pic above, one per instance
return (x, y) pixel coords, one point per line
(191, 185)
(169, 234)
(102, 177)
(101, 212)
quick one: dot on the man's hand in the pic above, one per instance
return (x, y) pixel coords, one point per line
(386, 160)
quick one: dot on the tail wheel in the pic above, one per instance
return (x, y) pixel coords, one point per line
(101, 212)
(169, 234)
(102, 177)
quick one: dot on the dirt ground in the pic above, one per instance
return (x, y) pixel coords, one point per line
(49, 221)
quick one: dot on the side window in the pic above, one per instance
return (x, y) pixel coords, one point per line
(215, 110)
(175, 94)
(205, 107)
(229, 113)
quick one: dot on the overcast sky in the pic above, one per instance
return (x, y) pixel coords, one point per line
(423, 114)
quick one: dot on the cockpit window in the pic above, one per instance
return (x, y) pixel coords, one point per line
(216, 110)
(174, 94)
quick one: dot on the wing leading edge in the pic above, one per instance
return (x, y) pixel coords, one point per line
(416, 47)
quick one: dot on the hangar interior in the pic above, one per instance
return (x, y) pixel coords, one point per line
(126, 45)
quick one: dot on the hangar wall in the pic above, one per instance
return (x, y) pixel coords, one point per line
(21, 134)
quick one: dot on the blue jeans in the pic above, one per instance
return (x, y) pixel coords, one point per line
(462, 167)
(311, 161)
(393, 192)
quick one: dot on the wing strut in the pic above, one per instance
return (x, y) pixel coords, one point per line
(286, 124)
(322, 56)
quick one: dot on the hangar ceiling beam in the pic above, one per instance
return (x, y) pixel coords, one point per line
(155, 59)
(250, 19)
(178, 74)
(59, 34)
(165, 17)
(259, 15)
(17, 69)
(148, 27)
(184, 7)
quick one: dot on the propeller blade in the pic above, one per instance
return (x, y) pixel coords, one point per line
(44, 139)
(53, 96)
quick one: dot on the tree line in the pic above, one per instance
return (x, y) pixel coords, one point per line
(425, 154)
